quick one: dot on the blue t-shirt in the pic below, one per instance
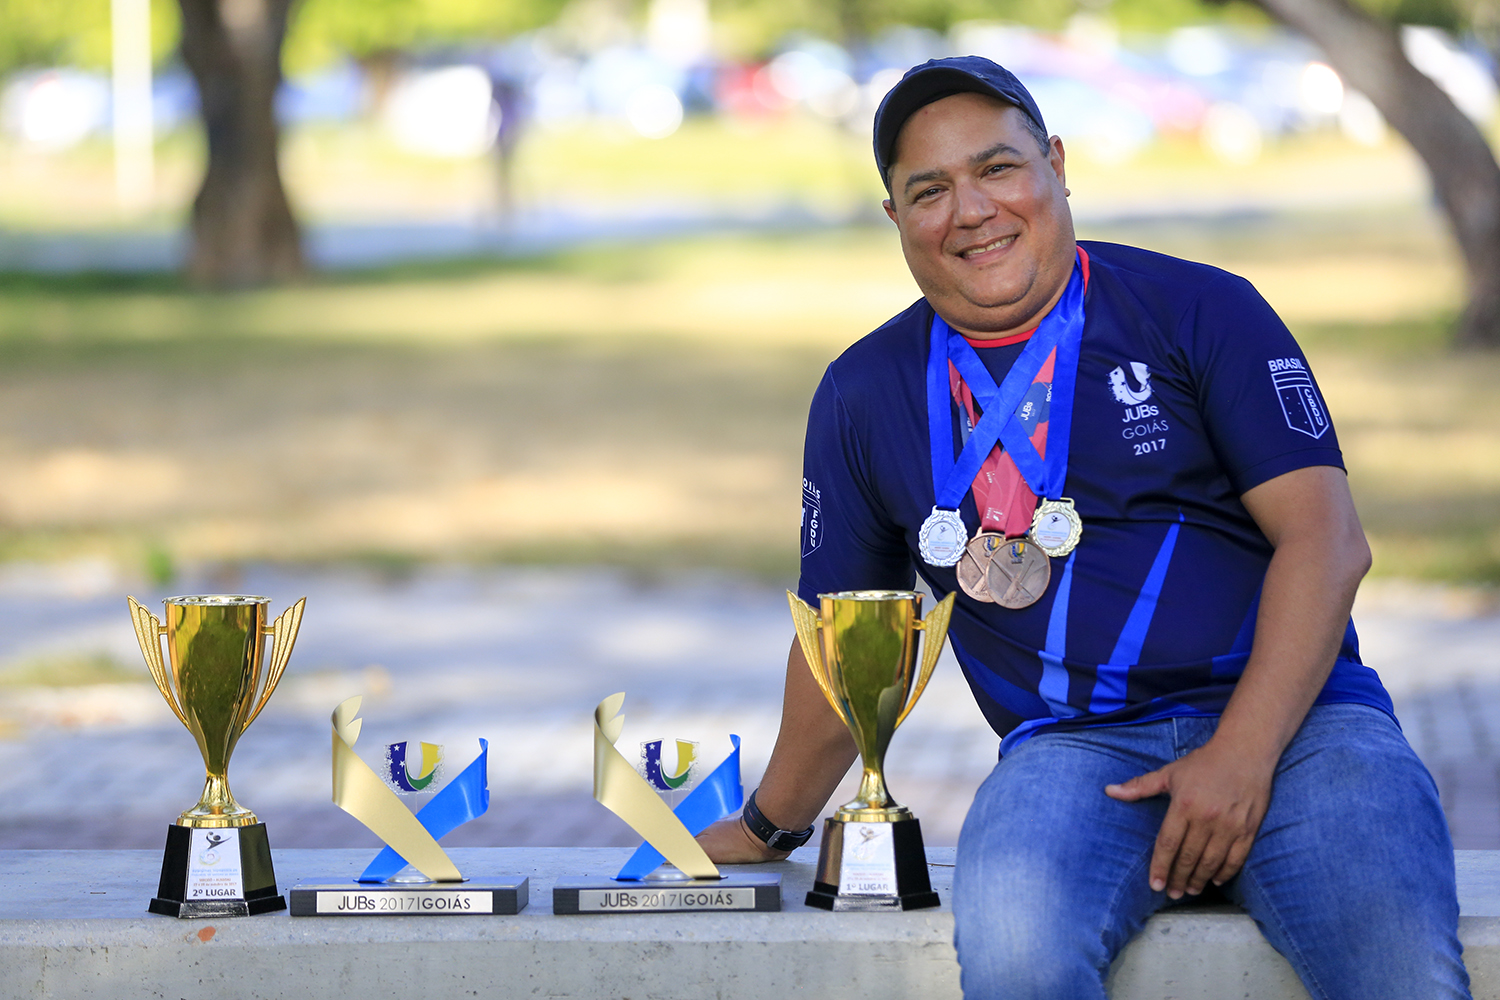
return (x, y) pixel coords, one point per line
(1190, 391)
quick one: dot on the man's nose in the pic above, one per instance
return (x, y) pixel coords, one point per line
(972, 206)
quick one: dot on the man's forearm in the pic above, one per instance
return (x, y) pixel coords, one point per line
(1321, 555)
(813, 751)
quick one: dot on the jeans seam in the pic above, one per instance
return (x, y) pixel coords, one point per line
(1291, 943)
(1114, 907)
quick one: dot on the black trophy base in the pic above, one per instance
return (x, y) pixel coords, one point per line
(501, 896)
(253, 892)
(745, 893)
(889, 872)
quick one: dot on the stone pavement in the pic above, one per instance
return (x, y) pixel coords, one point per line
(521, 656)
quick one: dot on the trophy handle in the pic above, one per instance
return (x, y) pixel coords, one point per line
(808, 623)
(284, 633)
(148, 632)
(936, 627)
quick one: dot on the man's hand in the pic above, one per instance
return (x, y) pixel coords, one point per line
(1220, 792)
(729, 842)
(1219, 798)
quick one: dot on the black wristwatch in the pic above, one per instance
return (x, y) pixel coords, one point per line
(775, 839)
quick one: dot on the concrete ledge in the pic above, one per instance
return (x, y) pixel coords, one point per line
(73, 924)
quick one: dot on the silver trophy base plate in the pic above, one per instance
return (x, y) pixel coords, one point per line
(748, 893)
(502, 896)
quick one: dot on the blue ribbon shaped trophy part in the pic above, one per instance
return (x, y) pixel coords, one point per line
(716, 796)
(359, 791)
(669, 834)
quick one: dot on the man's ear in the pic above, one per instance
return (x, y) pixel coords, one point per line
(890, 210)
(1057, 158)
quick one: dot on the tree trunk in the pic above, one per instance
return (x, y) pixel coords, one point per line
(243, 229)
(1367, 54)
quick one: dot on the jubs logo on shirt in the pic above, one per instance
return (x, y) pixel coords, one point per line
(1127, 393)
(1300, 402)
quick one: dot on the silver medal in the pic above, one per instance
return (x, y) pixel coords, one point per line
(942, 538)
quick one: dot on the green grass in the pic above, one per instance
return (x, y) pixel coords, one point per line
(643, 404)
(74, 670)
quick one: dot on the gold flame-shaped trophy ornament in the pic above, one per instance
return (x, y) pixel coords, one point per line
(862, 649)
(216, 680)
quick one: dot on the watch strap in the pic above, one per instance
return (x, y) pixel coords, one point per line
(772, 836)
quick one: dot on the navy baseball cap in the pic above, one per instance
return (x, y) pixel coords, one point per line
(939, 78)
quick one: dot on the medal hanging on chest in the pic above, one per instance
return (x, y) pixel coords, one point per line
(1001, 497)
(940, 542)
(1056, 527)
(1005, 459)
(974, 567)
(1018, 573)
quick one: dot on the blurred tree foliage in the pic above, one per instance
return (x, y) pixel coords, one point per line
(1366, 49)
(323, 30)
(754, 27)
(36, 33)
(77, 32)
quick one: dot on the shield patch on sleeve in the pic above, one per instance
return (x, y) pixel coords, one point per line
(1301, 403)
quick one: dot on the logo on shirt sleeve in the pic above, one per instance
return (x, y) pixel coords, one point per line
(812, 518)
(1300, 402)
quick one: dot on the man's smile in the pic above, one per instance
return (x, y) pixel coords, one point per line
(972, 252)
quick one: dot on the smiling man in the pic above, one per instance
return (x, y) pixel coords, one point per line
(1122, 463)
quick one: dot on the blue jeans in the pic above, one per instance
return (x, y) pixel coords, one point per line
(1351, 877)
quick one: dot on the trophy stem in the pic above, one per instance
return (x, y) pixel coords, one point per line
(216, 807)
(873, 804)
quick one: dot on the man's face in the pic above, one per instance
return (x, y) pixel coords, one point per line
(983, 214)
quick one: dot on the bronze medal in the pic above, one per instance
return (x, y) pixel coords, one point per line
(1018, 574)
(974, 567)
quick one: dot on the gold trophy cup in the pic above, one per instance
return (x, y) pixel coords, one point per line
(862, 650)
(216, 681)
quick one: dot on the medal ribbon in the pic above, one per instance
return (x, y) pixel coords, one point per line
(1004, 501)
(1045, 476)
(1056, 340)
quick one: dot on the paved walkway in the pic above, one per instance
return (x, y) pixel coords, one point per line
(521, 657)
(345, 245)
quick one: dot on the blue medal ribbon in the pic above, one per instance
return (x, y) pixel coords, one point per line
(464, 798)
(1061, 328)
(716, 796)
